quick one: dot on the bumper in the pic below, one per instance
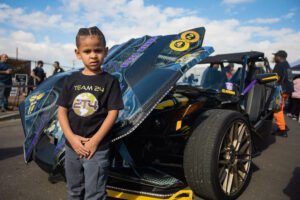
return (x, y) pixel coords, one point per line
(185, 194)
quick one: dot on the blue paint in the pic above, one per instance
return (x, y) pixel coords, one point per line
(44, 119)
(60, 145)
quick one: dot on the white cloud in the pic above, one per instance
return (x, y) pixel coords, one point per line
(37, 20)
(121, 20)
(233, 2)
(272, 20)
(21, 36)
(3, 6)
(289, 15)
(264, 20)
(29, 48)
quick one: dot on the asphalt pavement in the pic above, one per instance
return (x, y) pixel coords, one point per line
(276, 173)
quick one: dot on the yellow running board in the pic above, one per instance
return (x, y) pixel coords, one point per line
(180, 195)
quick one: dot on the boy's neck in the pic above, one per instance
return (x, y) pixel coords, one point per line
(90, 72)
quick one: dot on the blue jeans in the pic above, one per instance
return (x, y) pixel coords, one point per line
(2, 96)
(86, 179)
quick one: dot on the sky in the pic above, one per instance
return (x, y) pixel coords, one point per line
(46, 30)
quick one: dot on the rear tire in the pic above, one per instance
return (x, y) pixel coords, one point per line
(217, 156)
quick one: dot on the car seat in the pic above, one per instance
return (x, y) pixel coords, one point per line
(213, 79)
(255, 97)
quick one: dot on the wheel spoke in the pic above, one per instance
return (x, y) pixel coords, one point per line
(240, 135)
(229, 182)
(243, 149)
(235, 157)
(243, 160)
(242, 169)
(224, 150)
(225, 183)
(231, 133)
(222, 174)
(223, 162)
(235, 178)
(245, 138)
(241, 175)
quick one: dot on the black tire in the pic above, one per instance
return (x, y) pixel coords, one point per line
(202, 154)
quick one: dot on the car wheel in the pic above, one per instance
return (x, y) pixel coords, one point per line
(218, 155)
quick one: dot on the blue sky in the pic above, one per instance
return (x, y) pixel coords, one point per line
(46, 29)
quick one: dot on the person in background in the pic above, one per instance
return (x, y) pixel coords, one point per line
(38, 73)
(229, 70)
(295, 109)
(5, 82)
(281, 68)
(191, 79)
(57, 68)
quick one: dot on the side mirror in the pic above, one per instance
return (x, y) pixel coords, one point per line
(266, 78)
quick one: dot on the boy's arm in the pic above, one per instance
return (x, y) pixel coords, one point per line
(101, 133)
(76, 141)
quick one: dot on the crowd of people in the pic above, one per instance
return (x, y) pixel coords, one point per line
(36, 77)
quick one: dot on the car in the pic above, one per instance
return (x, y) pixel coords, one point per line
(172, 139)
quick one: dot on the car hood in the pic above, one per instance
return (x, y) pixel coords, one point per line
(147, 69)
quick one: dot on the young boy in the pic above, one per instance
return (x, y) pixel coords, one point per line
(88, 108)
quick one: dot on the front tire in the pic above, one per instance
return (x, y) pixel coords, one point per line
(217, 156)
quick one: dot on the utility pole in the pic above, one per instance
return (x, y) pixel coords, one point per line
(17, 53)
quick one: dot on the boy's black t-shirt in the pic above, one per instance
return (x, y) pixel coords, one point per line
(88, 99)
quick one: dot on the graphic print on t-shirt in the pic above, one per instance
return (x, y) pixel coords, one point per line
(85, 104)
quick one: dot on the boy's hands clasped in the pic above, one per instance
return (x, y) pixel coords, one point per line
(84, 147)
(77, 142)
(91, 146)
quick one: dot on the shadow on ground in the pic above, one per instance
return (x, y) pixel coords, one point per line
(292, 189)
(10, 152)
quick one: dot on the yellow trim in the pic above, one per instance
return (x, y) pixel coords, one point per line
(178, 125)
(171, 102)
(270, 78)
(128, 196)
(228, 91)
(185, 36)
(179, 45)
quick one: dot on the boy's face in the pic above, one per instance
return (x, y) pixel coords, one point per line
(92, 52)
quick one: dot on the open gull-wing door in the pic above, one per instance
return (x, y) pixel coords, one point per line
(147, 68)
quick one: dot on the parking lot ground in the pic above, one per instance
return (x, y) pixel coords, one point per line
(276, 173)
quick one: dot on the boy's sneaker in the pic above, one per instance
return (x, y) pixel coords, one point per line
(294, 117)
(289, 115)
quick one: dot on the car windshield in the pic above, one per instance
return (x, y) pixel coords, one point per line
(211, 76)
